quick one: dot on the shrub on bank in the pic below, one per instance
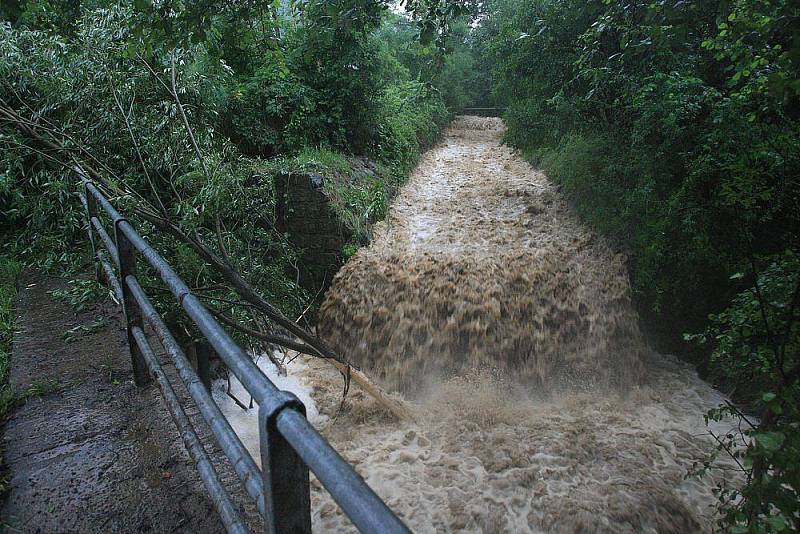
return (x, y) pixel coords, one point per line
(324, 95)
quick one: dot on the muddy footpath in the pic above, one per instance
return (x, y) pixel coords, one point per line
(84, 450)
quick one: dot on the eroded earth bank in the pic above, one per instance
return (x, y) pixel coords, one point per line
(509, 327)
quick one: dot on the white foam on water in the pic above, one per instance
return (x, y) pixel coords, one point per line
(481, 457)
(245, 422)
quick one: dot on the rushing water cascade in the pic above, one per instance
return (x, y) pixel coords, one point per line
(482, 291)
(481, 263)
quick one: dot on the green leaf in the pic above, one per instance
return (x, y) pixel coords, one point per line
(770, 441)
(778, 522)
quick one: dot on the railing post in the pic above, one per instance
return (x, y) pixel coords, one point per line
(133, 315)
(285, 476)
(91, 211)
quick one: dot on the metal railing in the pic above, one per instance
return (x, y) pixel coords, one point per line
(289, 445)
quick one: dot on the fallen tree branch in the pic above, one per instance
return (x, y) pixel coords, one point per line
(398, 408)
(308, 343)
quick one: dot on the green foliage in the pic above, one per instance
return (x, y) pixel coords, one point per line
(745, 337)
(638, 112)
(42, 387)
(349, 250)
(81, 293)
(454, 71)
(756, 343)
(9, 270)
(410, 120)
(318, 160)
(273, 112)
(76, 333)
(360, 200)
(71, 83)
(266, 89)
(758, 66)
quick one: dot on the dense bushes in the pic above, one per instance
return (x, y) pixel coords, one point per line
(450, 67)
(756, 341)
(272, 112)
(673, 128)
(411, 116)
(643, 113)
(254, 84)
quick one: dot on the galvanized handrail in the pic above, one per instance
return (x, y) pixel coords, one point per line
(289, 445)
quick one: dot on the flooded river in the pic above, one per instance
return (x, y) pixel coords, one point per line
(509, 328)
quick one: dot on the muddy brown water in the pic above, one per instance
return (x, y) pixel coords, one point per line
(538, 407)
(508, 325)
(481, 263)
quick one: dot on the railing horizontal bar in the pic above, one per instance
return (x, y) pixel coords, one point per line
(111, 278)
(101, 198)
(106, 239)
(243, 464)
(236, 359)
(238, 362)
(230, 517)
(361, 504)
(348, 489)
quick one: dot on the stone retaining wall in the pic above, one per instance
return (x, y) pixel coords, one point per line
(305, 214)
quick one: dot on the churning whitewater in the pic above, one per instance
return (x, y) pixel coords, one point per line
(480, 263)
(538, 405)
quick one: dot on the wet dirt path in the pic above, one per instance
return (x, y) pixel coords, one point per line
(509, 325)
(87, 451)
